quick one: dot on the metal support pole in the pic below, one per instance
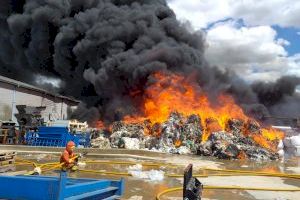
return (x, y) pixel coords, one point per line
(13, 104)
(62, 185)
(61, 109)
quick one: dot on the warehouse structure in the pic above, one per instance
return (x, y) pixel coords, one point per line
(14, 93)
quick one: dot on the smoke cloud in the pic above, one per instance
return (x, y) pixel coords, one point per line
(102, 50)
(280, 97)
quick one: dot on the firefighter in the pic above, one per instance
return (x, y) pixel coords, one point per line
(69, 158)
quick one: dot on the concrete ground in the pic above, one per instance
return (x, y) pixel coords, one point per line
(139, 191)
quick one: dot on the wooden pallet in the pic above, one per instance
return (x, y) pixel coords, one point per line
(7, 161)
(7, 157)
(7, 153)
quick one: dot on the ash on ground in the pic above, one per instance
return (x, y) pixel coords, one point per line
(184, 135)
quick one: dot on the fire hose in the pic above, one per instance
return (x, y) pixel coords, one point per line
(158, 196)
(55, 165)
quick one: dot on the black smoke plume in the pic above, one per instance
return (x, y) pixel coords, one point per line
(280, 97)
(102, 50)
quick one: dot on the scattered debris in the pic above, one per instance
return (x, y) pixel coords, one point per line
(40, 157)
(37, 171)
(129, 143)
(101, 143)
(292, 144)
(227, 145)
(136, 198)
(81, 164)
(152, 175)
(188, 135)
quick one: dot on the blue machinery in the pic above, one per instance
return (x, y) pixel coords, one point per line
(54, 188)
(56, 137)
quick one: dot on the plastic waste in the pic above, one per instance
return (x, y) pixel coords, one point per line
(280, 144)
(295, 140)
(152, 175)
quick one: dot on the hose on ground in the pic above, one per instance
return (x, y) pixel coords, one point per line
(130, 163)
(159, 195)
(249, 172)
(27, 161)
(291, 176)
(54, 165)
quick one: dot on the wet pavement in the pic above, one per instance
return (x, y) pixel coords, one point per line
(145, 189)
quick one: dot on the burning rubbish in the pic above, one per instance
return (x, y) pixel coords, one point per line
(178, 118)
(184, 135)
(140, 71)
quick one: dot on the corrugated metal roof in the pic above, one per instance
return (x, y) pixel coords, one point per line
(16, 83)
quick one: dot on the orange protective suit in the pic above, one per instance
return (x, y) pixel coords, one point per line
(68, 155)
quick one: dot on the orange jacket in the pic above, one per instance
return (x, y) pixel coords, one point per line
(66, 156)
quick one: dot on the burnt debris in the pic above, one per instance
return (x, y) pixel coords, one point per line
(184, 135)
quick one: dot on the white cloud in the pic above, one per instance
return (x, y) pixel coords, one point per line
(284, 13)
(250, 49)
(283, 42)
(252, 52)
(298, 33)
(200, 12)
(253, 12)
(294, 65)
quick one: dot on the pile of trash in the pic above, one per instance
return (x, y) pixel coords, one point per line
(291, 141)
(185, 135)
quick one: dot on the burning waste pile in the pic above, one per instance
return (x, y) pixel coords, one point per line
(176, 116)
(186, 135)
(143, 73)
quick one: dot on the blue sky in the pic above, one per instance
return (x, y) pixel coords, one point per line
(259, 40)
(292, 35)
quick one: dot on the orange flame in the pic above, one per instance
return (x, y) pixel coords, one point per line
(272, 134)
(178, 93)
(242, 155)
(268, 138)
(177, 143)
(100, 125)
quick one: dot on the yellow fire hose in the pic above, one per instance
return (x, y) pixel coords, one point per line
(239, 174)
(105, 172)
(130, 163)
(54, 165)
(245, 171)
(51, 166)
(27, 161)
(158, 196)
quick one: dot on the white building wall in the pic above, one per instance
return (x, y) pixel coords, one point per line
(56, 108)
(5, 103)
(51, 112)
(23, 98)
(64, 109)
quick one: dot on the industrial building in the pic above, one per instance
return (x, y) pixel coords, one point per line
(14, 93)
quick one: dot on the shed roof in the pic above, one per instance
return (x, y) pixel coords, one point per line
(20, 84)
